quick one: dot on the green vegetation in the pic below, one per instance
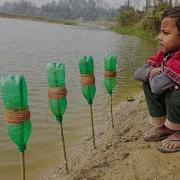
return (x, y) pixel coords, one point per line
(141, 24)
(134, 31)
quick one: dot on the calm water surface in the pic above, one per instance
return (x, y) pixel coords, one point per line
(26, 47)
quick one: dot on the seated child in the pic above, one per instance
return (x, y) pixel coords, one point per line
(161, 81)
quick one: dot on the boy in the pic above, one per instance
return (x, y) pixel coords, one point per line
(161, 81)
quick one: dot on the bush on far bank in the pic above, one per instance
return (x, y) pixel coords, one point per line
(146, 21)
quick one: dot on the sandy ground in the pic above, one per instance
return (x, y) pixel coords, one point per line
(121, 153)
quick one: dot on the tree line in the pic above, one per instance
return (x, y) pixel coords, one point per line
(63, 9)
(149, 4)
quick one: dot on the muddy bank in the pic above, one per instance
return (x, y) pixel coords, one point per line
(121, 153)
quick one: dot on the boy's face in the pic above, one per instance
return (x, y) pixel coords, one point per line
(169, 37)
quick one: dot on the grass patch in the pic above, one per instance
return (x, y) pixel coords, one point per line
(134, 31)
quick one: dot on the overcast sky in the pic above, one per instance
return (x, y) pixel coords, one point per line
(40, 2)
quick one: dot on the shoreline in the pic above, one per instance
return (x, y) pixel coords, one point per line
(36, 18)
(103, 25)
(121, 153)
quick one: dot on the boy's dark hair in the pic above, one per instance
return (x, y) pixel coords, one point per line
(173, 13)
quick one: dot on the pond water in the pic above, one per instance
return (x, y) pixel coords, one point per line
(26, 48)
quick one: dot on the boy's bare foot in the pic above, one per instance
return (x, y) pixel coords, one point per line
(170, 144)
(157, 133)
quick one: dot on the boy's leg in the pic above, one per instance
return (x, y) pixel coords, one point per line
(157, 121)
(156, 104)
(157, 110)
(172, 143)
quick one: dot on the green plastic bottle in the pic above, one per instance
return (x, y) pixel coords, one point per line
(56, 74)
(86, 67)
(56, 78)
(20, 134)
(110, 62)
(14, 93)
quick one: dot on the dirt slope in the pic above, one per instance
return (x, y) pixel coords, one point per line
(121, 153)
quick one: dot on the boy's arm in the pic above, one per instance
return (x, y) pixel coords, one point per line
(142, 74)
(160, 83)
(153, 63)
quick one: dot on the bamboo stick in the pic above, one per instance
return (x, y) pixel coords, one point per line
(112, 113)
(92, 123)
(64, 148)
(22, 165)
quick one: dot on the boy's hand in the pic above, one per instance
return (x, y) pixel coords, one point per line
(155, 71)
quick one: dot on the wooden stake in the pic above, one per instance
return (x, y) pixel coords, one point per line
(47, 114)
(64, 148)
(92, 123)
(112, 113)
(22, 166)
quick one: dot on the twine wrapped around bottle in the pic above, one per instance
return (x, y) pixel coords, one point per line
(109, 74)
(57, 93)
(17, 116)
(87, 79)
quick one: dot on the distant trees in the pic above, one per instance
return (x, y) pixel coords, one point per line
(154, 3)
(170, 2)
(148, 4)
(63, 9)
(21, 7)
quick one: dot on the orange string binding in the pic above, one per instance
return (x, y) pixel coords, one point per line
(109, 74)
(17, 116)
(57, 93)
(87, 79)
